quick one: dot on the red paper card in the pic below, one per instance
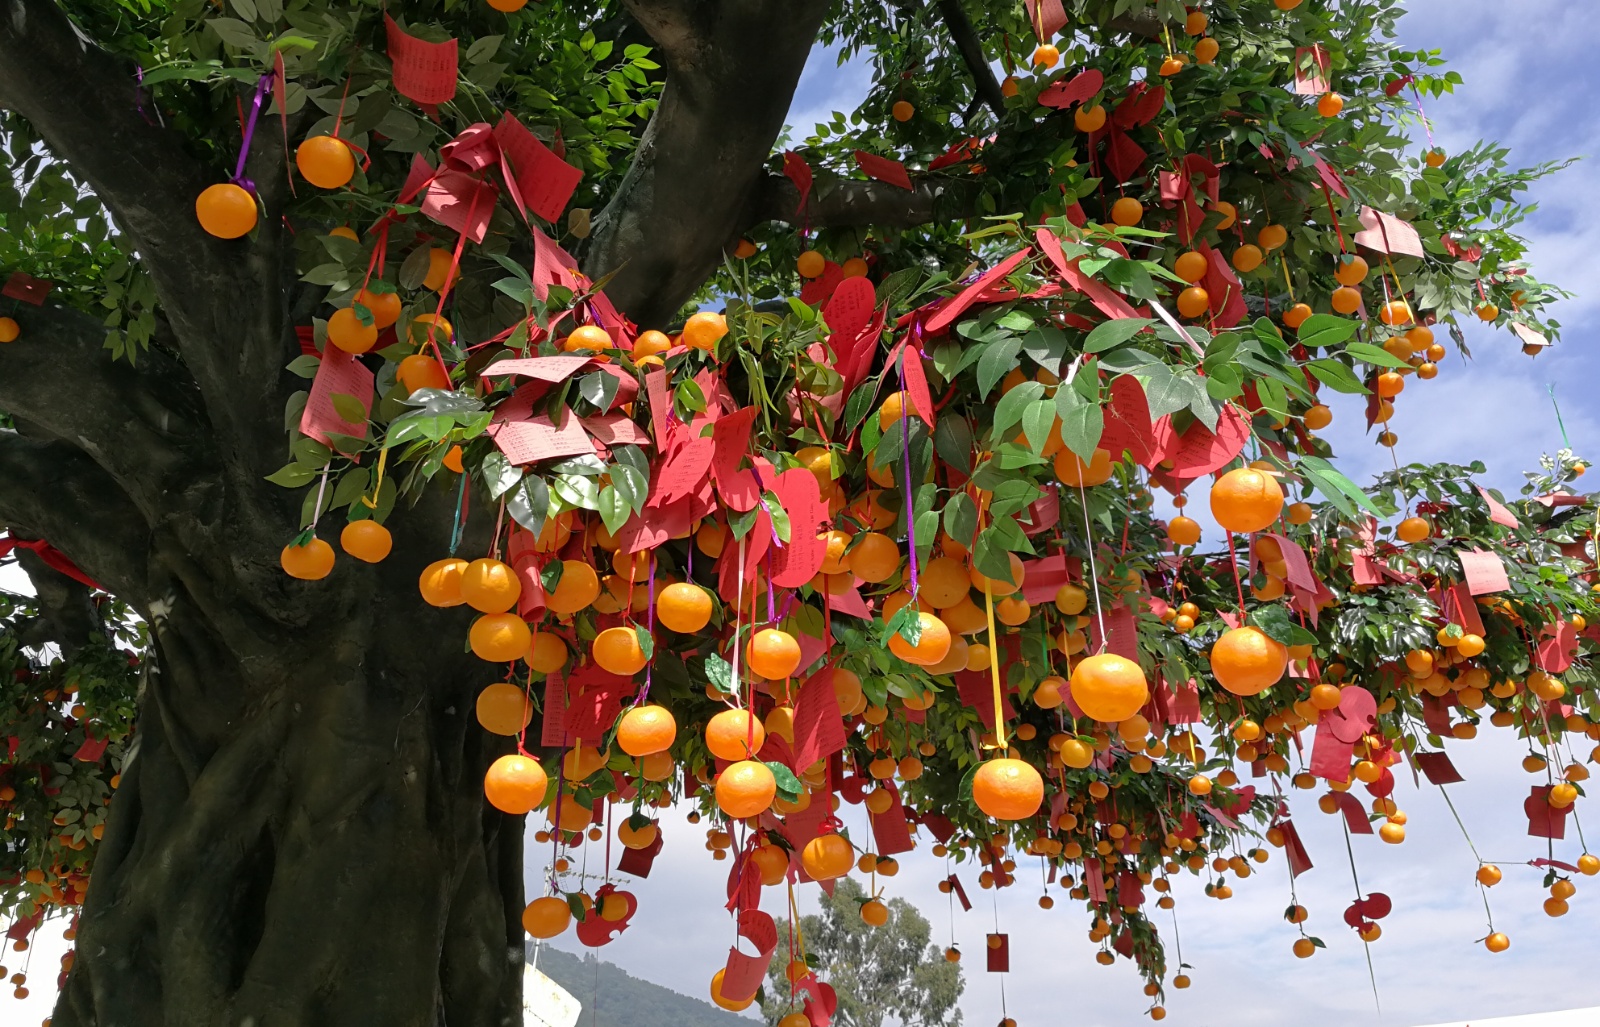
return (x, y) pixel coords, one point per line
(1310, 70)
(525, 442)
(848, 310)
(1043, 578)
(637, 862)
(92, 750)
(1048, 17)
(1497, 512)
(683, 472)
(339, 373)
(917, 384)
(552, 370)
(1127, 422)
(1484, 572)
(953, 308)
(1557, 646)
(1122, 633)
(1437, 768)
(800, 559)
(553, 734)
(1330, 755)
(1074, 90)
(22, 286)
(1544, 820)
(890, 833)
(883, 169)
(743, 974)
(1528, 336)
(461, 201)
(1355, 815)
(820, 288)
(731, 442)
(998, 949)
(423, 71)
(798, 171)
(544, 182)
(1294, 849)
(1094, 880)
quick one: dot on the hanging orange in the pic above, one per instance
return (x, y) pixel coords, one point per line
(1193, 301)
(931, 647)
(811, 264)
(618, 651)
(366, 540)
(1246, 661)
(997, 587)
(1183, 531)
(1190, 266)
(547, 653)
(440, 582)
(579, 586)
(547, 917)
(646, 729)
(704, 330)
(310, 562)
(637, 837)
(1108, 688)
(587, 339)
(1008, 789)
(1071, 471)
(746, 789)
(735, 735)
(500, 637)
(1246, 500)
(772, 654)
(1247, 258)
(826, 857)
(346, 331)
(420, 371)
(684, 607)
(383, 306)
(875, 558)
(226, 210)
(504, 709)
(10, 331)
(515, 784)
(1127, 212)
(326, 162)
(490, 586)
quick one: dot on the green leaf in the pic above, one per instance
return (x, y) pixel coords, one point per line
(1322, 331)
(1009, 410)
(780, 516)
(550, 577)
(789, 786)
(952, 439)
(631, 485)
(1111, 334)
(997, 361)
(528, 503)
(577, 490)
(1275, 622)
(1046, 345)
(348, 407)
(305, 366)
(991, 556)
(292, 476)
(1038, 421)
(1367, 353)
(898, 624)
(1334, 485)
(499, 473)
(960, 518)
(1336, 376)
(719, 673)
(647, 642)
(614, 509)
(1082, 422)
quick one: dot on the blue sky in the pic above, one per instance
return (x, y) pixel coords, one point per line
(1528, 90)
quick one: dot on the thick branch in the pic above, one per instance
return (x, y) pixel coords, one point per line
(143, 424)
(844, 203)
(732, 67)
(67, 613)
(960, 26)
(222, 298)
(51, 490)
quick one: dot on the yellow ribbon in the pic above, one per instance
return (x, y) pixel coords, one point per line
(994, 667)
(383, 460)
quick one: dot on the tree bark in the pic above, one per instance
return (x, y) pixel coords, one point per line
(300, 838)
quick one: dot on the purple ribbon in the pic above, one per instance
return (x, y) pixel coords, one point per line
(905, 454)
(249, 133)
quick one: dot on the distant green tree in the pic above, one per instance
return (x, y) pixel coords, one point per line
(893, 971)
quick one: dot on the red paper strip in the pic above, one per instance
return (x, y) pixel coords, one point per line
(1497, 511)
(553, 734)
(890, 833)
(1075, 90)
(743, 974)
(1437, 768)
(92, 750)
(339, 373)
(1311, 70)
(526, 442)
(953, 308)
(544, 182)
(423, 71)
(960, 892)
(800, 559)
(1294, 849)
(883, 169)
(1544, 820)
(998, 948)
(1048, 17)
(798, 171)
(22, 286)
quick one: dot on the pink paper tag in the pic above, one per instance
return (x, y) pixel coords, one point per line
(1388, 234)
(1310, 70)
(801, 557)
(883, 169)
(461, 201)
(1484, 571)
(798, 171)
(525, 442)
(848, 310)
(553, 370)
(1497, 511)
(423, 71)
(953, 308)
(339, 373)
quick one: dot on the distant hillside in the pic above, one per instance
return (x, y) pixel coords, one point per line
(626, 1001)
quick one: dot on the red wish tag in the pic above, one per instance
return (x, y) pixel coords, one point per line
(461, 201)
(1484, 571)
(1310, 70)
(1074, 90)
(338, 373)
(1386, 233)
(544, 182)
(423, 71)
(883, 169)
(798, 171)
(25, 287)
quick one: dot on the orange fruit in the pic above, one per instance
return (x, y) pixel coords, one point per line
(10, 331)
(855, 267)
(1108, 687)
(1413, 529)
(504, 709)
(440, 582)
(773, 863)
(874, 914)
(644, 730)
(430, 328)
(683, 607)
(383, 306)
(346, 331)
(1396, 313)
(847, 689)
(1497, 942)
(366, 540)
(1070, 470)
(944, 582)
(515, 784)
(507, 6)
(1089, 119)
(932, 646)
(1008, 789)
(875, 558)
(547, 653)
(1318, 417)
(1390, 385)
(1297, 315)
(902, 110)
(1247, 258)
(226, 210)
(1351, 270)
(1206, 50)
(310, 562)
(745, 789)
(1246, 661)
(1071, 600)
(810, 264)
(546, 917)
(587, 339)
(1045, 55)
(773, 654)
(1196, 22)
(325, 161)
(745, 249)
(649, 343)
(1183, 531)
(579, 586)
(490, 586)
(1246, 500)
(419, 371)
(618, 651)
(439, 261)
(1190, 266)
(637, 837)
(729, 1004)
(735, 735)
(1272, 236)
(1171, 66)
(1127, 212)
(826, 857)
(500, 637)
(1486, 311)
(1193, 301)
(451, 461)
(1329, 105)
(704, 330)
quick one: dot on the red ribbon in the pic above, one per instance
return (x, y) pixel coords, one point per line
(52, 556)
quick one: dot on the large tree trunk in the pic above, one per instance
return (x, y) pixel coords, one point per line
(300, 838)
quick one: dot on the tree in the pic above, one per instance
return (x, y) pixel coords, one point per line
(302, 837)
(879, 973)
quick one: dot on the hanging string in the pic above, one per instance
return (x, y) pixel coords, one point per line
(1565, 443)
(460, 516)
(237, 178)
(1371, 974)
(1094, 573)
(905, 454)
(322, 486)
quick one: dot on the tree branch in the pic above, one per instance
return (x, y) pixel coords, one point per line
(51, 490)
(67, 614)
(222, 298)
(843, 203)
(966, 40)
(143, 425)
(732, 68)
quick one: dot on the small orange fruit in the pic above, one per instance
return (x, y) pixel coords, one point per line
(515, 784)
(490, 586)
(420, 371)
(648, 729)
(1089, 119)
(587, 339)
(746, 789)
(346, 331)
(902, 110)
(1108, 687)
(504, 709)
(440, 582)
(226, 210)
(1127, 212)
(618, 650)
(811, 264)
(366, 540)
(1246, 500)
(774, 654)
(1329, 105)
(500, 637)
(325, 161)
(704, 330)
(1008, 789)
(579, 586)
(826, 857)
(1045, 55)
(547, 653)
(1183, 531)
(932, 645)
(547, 917)
(310, 562)
(1246, 661)
(439, 261)
(683, 607)
(735, 735)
